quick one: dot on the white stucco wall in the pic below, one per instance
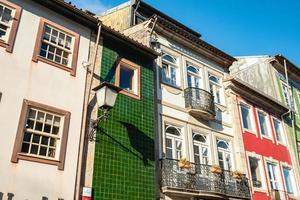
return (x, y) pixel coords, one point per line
(20, 78)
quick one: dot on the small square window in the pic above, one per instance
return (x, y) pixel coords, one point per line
(128, 78)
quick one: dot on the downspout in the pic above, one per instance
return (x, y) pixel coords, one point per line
(158, 136)
(84, 123)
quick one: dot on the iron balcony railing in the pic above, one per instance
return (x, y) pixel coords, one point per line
(200, 178)
(199, 99)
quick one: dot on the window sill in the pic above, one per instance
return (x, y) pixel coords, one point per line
(170, 85)
(256, 189)
(267, 138)
(60, 66)
(245, 130)
(130, 94)
(33, 158)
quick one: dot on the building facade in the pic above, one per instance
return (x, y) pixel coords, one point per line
(273, 161)
(197, 149)
(42, 47)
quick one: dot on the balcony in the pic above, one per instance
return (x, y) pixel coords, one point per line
(199, 181)
(199, 103)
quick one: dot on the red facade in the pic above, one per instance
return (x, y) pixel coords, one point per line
(266, 149)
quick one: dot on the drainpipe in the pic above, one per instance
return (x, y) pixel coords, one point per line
(84, 123)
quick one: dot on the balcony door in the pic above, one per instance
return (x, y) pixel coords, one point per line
(224, 155)
(173, 142)
(193, 77)
(201, 154)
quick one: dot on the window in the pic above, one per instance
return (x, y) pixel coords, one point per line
(255, 172)
(215, 88)
(173, 142)
(246, 117)
(201, 154)
(57, 46)
(42, 134)
(9, 20)
(170, 73)
(128, 78)
(263, 124)
(286, 94)
(287, 174)
(224, 154)
(272, 173)
(278, 129)
(193, 77)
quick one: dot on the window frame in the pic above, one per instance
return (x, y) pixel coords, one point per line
(9, 44)
(292, 179)
(225, 152)
(252, 120)
(268, 124)
(199, 76)
(261, 171)
(17, 155)
(201, 144)
(171, 65)
(216, 87)
(277, 173)
(174, 139)
(282, 134)
(75, 48)
(137, 76)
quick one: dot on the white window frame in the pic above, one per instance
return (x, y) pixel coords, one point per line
(9, 24)
(261, 171)
(267, 120)
(199, 75)
(174, 139)
(282, 133)
(292, 179)
(277, 173)
(216, 87)
(170, 65)
(200, 145)
(251, 118)
(224, 153)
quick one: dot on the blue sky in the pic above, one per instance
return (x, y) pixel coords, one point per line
(238, 27)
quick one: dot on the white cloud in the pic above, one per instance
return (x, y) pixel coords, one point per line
(95, 6)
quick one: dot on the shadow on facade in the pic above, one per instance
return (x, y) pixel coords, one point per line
(140, 142)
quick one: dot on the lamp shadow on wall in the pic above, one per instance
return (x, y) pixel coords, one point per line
(139, 141)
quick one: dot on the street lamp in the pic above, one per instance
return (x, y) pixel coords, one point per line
(106, 95)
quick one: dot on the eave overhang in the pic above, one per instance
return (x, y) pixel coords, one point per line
(253, 95)
(293, 70)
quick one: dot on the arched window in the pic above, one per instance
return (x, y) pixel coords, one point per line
(193, 76)
(174, 142)
(170, 72)
(214, 79)
(192, 69)
(169, 58)
(201, 153)
(224, 154)
(215, 88)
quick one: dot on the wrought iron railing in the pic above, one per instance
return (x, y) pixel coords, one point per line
(196, 98)
(200, 178)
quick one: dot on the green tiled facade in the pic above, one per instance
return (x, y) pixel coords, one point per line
(124, 165)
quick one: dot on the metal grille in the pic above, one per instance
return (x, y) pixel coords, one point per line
(199, 178)
(196, 98)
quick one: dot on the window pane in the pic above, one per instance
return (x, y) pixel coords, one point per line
(287, 179)
(27, 137)
(6, 16)
(126, 78)
(263, 123)
(255, 173)
(25, 148)
(34, 149)
(246, 117)
(169, 58)
(43, 151)
(277, 127)
(45, 140)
